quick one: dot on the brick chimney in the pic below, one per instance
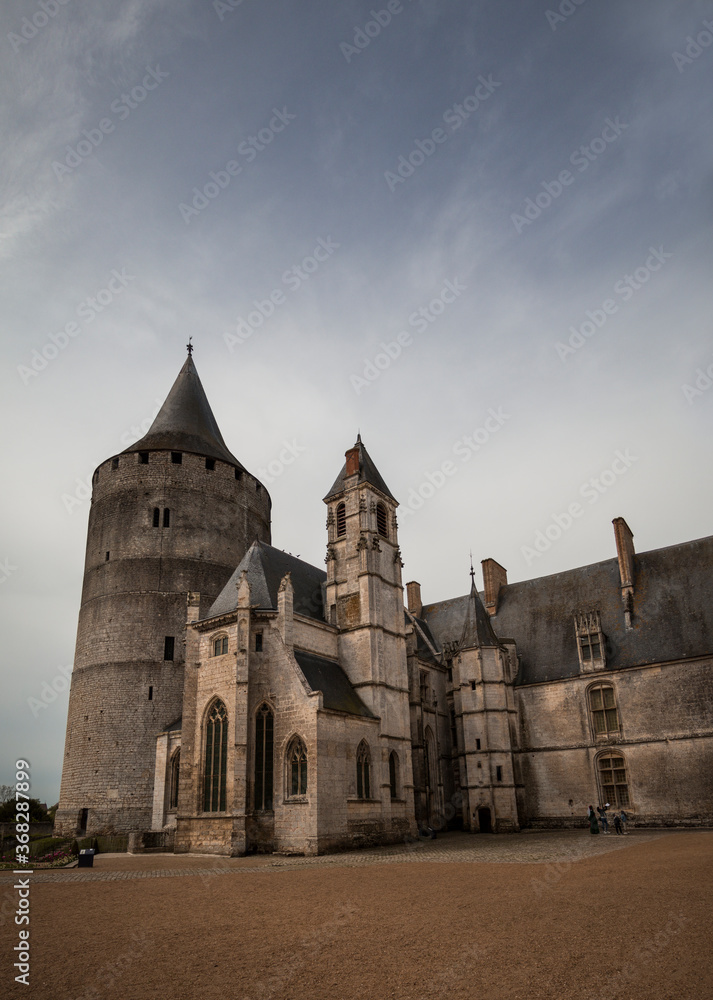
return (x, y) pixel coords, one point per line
(495, 576)
(625, 553)
(352, 457)
(413, 598)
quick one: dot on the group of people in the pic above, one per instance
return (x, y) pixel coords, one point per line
(620, 819)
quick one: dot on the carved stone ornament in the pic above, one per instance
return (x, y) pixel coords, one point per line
(376, 546)
(362, 543)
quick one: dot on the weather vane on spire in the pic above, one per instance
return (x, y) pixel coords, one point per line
(472, 571)
(189, 346)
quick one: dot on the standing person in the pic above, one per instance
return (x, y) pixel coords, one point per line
(624, 820)
(602, 810)
(617, 822)
(592, 817)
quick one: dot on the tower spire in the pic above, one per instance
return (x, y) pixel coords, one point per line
(189, 346)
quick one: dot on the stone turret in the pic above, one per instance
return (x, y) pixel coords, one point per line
(172, 515)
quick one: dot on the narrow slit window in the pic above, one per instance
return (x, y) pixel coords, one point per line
(168, 647)
(106, 558)
(258, 642)
(472, 685)
(166, 517)
(150, 693)
(498, 773)
(156, 517)
(477, 745)
(114, 464)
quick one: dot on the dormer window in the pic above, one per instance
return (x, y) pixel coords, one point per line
(341, 519)
(382, 522)
(590, 641)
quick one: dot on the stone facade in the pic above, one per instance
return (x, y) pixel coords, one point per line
(307, 711)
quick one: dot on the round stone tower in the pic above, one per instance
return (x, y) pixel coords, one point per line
(173, 514)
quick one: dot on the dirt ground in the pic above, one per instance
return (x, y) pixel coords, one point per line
(628, 921)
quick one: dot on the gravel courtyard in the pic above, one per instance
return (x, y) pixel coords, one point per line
(556, 915)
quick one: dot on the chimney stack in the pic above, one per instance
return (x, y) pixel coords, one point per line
(352, 457)
(625, 553)
(413, 598)
(495, 576)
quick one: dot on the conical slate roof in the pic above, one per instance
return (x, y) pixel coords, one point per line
(368, 473)
(477, 630)
(266, 566)
(185, 422)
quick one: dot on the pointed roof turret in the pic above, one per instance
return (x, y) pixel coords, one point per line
(368, 473)
(185, 422)
(477, 630)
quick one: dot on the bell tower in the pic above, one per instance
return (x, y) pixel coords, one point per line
(364, 591)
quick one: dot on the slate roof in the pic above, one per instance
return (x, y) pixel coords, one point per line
(673, 613)
(368, 473)
(477, 630)
(266, 567)
(185, 422)
(329, 678)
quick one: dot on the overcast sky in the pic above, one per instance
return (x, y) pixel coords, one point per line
(514, 199)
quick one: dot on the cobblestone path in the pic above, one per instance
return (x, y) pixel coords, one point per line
(530, 848)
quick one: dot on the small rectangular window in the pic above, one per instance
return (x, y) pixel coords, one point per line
(499, 773)
(472, 685)
(143, 458)
(168, 644)
(156, 517)
(238, 473)
(210, 464)
(114, 464)
(258, 642)
(450, 675)
(106, 558)
(477, 744)
(177, 457)
(150, 693)
(166, 517)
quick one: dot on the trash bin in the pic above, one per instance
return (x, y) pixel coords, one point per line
(86, 858)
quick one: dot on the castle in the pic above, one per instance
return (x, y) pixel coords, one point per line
(233, 698)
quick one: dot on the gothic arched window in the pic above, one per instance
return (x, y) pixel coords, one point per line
(394, 774)
(341, 518)
(296, 768)
(363, 771)
(173, 788)
(215, 758)
(263, 757)
(382, 523)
